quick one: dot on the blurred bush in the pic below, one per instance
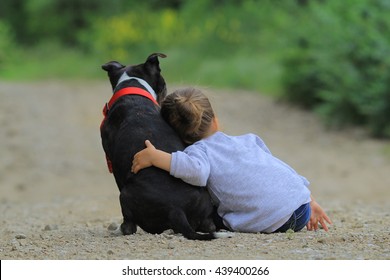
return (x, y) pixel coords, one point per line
(329, 56)
(220, 43)
(7, 45)
(34, 21)
(117, 37)
(339, 64)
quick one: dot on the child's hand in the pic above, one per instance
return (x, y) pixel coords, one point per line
(317, 216)
(143, 158)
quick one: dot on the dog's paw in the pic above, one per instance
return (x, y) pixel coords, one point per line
(128, 228)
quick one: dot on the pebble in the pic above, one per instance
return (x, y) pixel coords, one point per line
(112, 226)
(20, 236)
(166, 236)
(50, 227)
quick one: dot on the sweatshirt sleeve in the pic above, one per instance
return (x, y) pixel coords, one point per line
(261, 144)
(191, 165)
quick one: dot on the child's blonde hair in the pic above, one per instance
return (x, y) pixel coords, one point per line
(189, 112)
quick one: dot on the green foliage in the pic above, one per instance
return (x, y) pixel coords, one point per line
(339, 65)
(329, 56)
(207, 42)
(117, 37)
(35, 21)
(50, 61)
(6, 45)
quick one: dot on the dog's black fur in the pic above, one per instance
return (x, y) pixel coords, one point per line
(151, 199)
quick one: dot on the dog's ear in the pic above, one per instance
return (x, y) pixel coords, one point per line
(154, 57)
(112, 65)
(152, 61)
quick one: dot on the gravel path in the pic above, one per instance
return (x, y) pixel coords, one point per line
(57, 200)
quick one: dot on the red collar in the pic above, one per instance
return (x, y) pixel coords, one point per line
(114, 98)
(127, 91)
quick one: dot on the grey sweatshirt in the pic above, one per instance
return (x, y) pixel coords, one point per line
(254, 191)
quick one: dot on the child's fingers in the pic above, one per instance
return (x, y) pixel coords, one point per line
(327, 219)
(133, 169)
(315, 225)
(323, 224)
(148, 144)
(135, 165)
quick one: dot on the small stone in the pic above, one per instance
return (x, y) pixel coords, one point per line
(110, 252)
(163, 241)
(168, 232)
(50, 227)
(171, 245)
(20, 236)
(166, 236)
(112, 226)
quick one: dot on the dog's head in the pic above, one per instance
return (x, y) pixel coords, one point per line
(149, 71)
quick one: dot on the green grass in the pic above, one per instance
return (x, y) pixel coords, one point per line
(259, 72)
(50, 62)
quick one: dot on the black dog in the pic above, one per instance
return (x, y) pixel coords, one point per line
(151, 199)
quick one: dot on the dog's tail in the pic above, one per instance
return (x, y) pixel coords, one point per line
(208, 236)
(223, 234)
(199, 236)
(182, 226)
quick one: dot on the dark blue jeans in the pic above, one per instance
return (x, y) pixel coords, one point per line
(298, 219)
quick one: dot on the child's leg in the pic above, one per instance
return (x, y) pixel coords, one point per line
(302, 216)
(298, 219)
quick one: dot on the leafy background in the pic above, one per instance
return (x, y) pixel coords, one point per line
(329, 56)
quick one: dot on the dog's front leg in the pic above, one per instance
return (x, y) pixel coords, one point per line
(128, 226)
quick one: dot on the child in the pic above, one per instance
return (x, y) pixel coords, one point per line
(253, 190)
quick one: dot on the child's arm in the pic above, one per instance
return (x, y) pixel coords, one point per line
(192, 166)
(150, 156)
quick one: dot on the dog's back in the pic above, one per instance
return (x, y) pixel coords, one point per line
(152, 198)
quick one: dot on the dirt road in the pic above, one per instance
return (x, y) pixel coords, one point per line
(57, 200)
